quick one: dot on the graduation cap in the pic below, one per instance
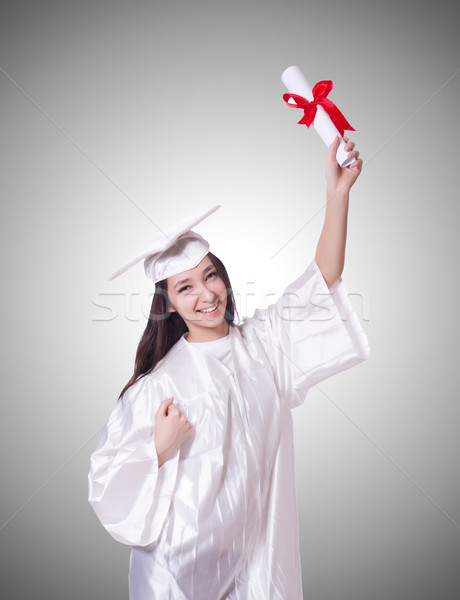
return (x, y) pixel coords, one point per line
(176, 250)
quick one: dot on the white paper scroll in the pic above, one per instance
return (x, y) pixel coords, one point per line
(296, 83)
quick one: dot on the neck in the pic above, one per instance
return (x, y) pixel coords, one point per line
(208, 335)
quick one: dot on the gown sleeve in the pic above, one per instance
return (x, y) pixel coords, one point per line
(130, 494)
(309, 334)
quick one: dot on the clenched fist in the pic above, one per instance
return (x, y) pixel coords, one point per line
(171, 429)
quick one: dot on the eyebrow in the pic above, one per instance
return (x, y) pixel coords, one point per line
(182, 281)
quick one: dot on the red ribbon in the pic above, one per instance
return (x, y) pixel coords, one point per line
(320, 91)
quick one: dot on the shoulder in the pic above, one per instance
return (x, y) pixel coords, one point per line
(264, 323)
(155, 383)
(151, 383)
(255, 325)
(163, 368)
(254, 334)
(177, 357)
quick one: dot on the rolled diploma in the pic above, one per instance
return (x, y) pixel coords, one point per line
(296, 83)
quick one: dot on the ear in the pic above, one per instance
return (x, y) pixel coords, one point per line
(171, 308)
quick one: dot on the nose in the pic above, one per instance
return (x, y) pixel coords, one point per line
(206, 293)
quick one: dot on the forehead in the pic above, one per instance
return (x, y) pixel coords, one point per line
(196, 272)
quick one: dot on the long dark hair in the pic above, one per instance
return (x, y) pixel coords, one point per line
(165, 328)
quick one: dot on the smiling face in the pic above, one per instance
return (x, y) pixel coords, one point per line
(199, 296)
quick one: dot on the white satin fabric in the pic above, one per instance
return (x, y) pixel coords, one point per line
(219, 520)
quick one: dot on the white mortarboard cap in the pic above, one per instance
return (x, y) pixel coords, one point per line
(176, 250)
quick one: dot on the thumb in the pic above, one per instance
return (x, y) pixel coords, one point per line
(165, 404)
(334, 146)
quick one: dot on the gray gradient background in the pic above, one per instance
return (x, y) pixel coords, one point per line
(111, 110)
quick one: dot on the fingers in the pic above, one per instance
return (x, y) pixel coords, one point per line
(353, 154)
(356, 166)
(173, 411)
(348, 145)
(359, 164)
(349, 148)
(164, 406)
(184, 427)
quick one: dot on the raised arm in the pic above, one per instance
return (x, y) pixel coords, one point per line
(330, 252)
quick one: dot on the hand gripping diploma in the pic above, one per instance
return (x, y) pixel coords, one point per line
(339, 180)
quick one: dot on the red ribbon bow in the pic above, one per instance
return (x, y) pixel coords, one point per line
(320, 91)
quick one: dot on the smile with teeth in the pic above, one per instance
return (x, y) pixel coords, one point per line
(211, 309)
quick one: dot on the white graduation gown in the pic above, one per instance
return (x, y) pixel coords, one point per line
(219, 519)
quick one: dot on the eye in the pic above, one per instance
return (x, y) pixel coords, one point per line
(213, 274)
(182, 289)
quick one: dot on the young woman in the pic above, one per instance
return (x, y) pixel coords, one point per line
(195, 467)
